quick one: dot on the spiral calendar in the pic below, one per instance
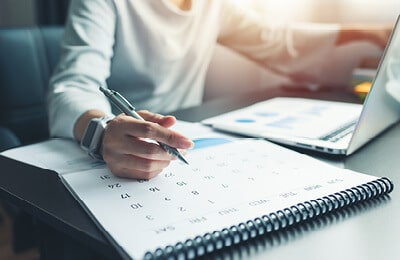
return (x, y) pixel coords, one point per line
(232, 190)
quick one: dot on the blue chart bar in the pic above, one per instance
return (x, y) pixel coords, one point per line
(207, 142)
(245, 120)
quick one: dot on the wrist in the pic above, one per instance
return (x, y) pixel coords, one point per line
(83, 121)
(92, 137)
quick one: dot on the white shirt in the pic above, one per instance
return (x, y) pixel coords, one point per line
(157, 55)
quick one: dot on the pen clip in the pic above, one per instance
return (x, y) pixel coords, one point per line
(122, 99)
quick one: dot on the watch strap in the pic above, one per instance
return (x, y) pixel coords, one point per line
(93, 136)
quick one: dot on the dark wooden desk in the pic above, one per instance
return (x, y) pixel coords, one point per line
(366, 231)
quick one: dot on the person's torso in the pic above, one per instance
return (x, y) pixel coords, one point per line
(161, 53)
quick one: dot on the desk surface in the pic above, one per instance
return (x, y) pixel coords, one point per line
(366, 231)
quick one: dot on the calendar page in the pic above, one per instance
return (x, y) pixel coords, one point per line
(226, 183)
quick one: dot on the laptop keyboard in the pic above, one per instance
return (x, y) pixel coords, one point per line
(340, 133)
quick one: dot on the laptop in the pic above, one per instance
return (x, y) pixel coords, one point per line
(325, 126)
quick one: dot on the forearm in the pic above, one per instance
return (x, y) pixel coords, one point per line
(87, 50)
(287, 49)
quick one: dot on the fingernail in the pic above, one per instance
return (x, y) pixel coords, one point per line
(188, 144)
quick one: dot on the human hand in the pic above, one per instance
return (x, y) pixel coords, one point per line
(375, 34)
(127, 152)
(369, 62)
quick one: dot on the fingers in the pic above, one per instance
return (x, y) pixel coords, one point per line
(147, 129)
(165, 121)
(137, 147)
(129, 148)
(377, 35)
(128, 166)
(370, 62)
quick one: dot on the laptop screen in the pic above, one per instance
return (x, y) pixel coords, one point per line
(382, 105)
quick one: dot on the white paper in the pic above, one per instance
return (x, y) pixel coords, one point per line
(227, 182)
(292, 117)
(60, 155)
(224, 185)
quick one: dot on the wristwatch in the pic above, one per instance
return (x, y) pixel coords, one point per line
(93, 137)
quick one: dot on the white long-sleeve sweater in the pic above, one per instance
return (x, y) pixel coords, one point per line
(157, 55)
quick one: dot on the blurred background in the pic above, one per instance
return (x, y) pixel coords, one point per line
(355, 64)
(342, 11)
(33, 12)
(228, 71)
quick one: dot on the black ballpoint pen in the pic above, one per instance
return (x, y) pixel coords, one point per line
(122, 104)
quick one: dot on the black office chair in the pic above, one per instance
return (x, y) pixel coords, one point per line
(27, 58)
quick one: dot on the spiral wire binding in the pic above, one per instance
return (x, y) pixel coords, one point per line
(210, 242)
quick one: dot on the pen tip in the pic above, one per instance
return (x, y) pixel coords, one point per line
(183, 159)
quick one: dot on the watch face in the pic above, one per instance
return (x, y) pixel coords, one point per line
(89, 133)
